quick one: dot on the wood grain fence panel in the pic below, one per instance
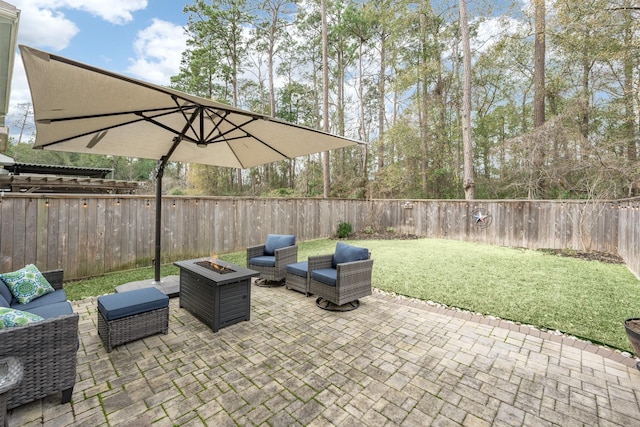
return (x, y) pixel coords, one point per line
(42, 232)
(51, 221)
(432, 220)
(17, 232)
(110, 251)
(96, 245)
(544, 229)
(129, 232)
(30, 239)
(174, 226)
(84, 229)
(611, 232)
(71, 265)
(202, 237)
(63, 236)
(107, 235)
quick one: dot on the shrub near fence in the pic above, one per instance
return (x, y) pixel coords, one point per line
(91, 235)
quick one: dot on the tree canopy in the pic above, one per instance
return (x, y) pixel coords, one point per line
(554, 99)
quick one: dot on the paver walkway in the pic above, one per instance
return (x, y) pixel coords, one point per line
(389, 363)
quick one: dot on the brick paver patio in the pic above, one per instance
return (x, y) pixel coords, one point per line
(390, 362)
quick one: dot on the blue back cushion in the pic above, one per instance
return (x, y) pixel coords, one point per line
(5, 292)
(277, 241)
(347, 253)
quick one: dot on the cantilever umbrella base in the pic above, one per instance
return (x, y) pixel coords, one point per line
(329, 306)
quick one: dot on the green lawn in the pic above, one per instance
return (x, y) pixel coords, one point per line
(587, 299)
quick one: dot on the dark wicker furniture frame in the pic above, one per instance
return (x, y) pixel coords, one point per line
(132, 328)
(284, 256)
(353, 280)
(47, 351)
(298, 283)
(217, 300)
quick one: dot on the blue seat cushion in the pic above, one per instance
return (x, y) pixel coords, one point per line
(298, 268)
(328, 276)
(3, 302)
(130, 303)
(51, 298)
(278, 241)
(263, 261)
(347, 253)
(52, 310)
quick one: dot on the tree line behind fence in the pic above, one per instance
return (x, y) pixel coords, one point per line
(92, 235)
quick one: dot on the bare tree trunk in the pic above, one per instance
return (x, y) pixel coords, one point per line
(539, 149)
(539, 63)
(363, 131)
(468, 182)
(381, 102)
(629, 65)
(325, 98)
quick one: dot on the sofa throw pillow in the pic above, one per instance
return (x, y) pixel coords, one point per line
(27, 284)
(278, 241)
(10, 317)
(347, 253)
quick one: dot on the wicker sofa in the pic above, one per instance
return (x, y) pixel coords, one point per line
(47, 348)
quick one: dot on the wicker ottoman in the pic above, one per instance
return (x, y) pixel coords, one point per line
(131, 315)
(297, 277)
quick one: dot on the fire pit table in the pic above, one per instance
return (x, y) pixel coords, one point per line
(216, 292)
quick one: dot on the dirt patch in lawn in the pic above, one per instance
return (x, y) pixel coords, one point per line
(590, 256)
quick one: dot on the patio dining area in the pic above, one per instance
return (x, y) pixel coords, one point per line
(391, 362)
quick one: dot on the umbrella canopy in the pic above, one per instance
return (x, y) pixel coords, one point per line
(84, 109)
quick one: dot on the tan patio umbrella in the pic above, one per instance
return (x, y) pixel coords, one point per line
(84, 109)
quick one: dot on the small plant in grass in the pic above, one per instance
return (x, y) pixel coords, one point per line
(391, 230)
(344, 229)
(368, 229)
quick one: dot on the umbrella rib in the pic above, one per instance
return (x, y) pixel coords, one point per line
(165, 111)
(100, 131)
(238, 127)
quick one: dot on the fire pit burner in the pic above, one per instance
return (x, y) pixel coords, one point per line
(213, 266)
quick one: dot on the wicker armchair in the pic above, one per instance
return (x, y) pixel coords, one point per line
(340, 283)
(47, 350)
(271, 258)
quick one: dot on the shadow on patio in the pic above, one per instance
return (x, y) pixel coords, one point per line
(390, 362)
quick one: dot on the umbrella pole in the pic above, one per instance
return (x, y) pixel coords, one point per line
(156, 260)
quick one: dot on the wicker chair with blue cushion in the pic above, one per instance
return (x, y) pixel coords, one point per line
(340, 279)
(271, 258)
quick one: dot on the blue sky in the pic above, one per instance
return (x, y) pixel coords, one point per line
(140, 38)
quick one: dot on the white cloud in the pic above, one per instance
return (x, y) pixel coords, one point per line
(44, 27)
(114, 11)
(159, 50)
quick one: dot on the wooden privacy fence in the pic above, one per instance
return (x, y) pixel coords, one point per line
(92, 235)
